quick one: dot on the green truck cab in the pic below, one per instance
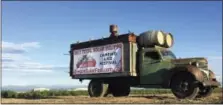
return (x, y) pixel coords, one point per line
(144, 61)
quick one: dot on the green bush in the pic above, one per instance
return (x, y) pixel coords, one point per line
(21, 95)
(81, 92)
(36, 95)
(65, 93)
(47, 94)
(28, 95)
(9, 94)
(73, 93)
(52, 93)
(44, 94)
(41, 94)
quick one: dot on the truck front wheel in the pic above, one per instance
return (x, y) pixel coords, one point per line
(182, 86)
(97, 88)
(205, 92)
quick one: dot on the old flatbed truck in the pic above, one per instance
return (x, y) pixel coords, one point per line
(116, 63)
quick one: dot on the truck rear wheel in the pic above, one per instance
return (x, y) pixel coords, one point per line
(119, 90)
(182, 86)
(205, 92)
(97, 88)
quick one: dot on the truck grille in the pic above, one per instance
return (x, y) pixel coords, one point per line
(203, 65)
(205, 75)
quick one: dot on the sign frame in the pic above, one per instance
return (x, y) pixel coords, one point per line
(104, 46)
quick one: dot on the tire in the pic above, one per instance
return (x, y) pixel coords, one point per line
(205, 92)
(119, 90)
(182, 86)
(97, 88)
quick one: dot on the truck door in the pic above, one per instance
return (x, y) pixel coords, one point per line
(150, 72)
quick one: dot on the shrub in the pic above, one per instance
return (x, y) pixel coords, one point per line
(81, 92)
(65, 93)
(37, 95)
(44, 94)
(52, 93)
(9, 94)
(21, 95)
(73, 93)
(28, 95)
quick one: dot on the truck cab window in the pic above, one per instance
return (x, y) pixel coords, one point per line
(152, 55)
(167, 54)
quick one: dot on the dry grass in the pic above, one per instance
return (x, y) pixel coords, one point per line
(159, 99)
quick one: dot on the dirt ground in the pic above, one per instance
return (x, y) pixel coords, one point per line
(149, 99)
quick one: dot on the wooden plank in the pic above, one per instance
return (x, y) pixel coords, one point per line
(124, 38)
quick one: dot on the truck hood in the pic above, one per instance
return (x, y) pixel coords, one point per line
(188, 61)
(202, 64)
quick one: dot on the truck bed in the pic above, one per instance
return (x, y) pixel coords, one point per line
(96, 54)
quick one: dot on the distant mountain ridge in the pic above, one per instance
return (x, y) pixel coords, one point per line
(30, 87)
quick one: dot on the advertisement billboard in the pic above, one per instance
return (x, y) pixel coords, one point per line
(101, 59)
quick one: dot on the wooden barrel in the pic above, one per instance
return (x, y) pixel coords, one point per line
(151, 38)
(168, 40)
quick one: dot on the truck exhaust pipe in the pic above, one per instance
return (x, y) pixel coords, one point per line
(113, 30)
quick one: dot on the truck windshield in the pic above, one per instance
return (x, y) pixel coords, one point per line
(167, 54)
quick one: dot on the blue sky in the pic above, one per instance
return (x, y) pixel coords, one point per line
(36, 34)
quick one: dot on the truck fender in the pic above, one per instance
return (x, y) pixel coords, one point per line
(212, 75)
(196, 73)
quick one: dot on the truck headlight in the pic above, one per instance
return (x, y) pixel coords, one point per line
(195, 64)
(190, 63)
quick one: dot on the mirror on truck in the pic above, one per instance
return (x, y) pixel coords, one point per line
(153, 57)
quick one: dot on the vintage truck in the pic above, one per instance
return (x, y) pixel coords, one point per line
(116, 63)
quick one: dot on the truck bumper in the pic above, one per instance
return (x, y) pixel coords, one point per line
(212, 83)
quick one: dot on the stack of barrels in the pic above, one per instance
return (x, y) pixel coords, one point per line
(152, 38)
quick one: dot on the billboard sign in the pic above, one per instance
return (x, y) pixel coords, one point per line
(102, 59)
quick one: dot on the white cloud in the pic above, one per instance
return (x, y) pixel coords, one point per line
(30, 66)
(8, 47)
(28, 70)
(30, 44)
(14, 58)
(20, 46)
